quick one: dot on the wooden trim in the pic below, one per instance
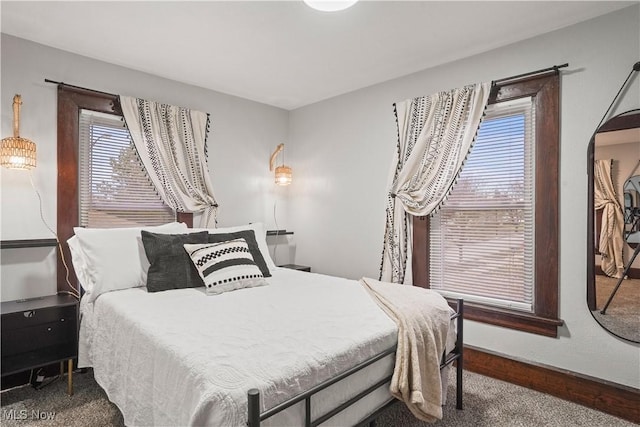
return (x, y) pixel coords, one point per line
(185, 217)
(547, 231)
(525, 322)
(420, 252)
(615, 399)
(519, 88)
(70, 101)
(545, 91)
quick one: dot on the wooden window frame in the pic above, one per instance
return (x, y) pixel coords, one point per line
(545, 91)
(70, 101)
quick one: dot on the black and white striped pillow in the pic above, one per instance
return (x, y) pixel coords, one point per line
(225, 266)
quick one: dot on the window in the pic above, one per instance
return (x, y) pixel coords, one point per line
(495, 241)
(115, 190)
(71, 101)
(486, 227)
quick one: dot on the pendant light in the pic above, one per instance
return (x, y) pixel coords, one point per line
(17, 152)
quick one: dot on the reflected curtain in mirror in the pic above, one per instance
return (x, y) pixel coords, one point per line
(605, 199)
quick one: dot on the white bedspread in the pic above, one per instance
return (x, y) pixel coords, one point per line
(181, 357)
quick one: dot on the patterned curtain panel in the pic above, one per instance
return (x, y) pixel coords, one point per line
(611, 229)
(171, 142)
(435, 134)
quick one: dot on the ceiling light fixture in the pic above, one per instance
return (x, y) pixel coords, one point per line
(330, 5)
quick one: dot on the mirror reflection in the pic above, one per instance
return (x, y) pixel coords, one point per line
(632, 209)
(615, 297)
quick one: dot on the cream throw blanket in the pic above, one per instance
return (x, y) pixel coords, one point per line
(423, 318)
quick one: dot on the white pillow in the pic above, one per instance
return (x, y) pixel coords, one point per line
(261, 238)
(79, 262)
(225, 266)
(115, 257)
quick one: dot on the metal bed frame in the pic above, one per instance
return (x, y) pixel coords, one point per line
(255, 417)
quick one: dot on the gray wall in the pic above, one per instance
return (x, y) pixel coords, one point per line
(243, 135)
(342, 149)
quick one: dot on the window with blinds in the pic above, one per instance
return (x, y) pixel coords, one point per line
(115, 190)
(482, 240)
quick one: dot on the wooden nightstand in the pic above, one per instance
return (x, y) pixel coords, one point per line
(296, 267)
(38, 332)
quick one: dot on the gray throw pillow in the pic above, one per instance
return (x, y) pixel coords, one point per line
(250, 237)
(171, 266)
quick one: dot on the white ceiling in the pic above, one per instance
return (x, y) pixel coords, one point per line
(284, 53)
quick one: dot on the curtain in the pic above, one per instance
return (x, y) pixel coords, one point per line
(171, 142)
(611, 230)
(435, 135)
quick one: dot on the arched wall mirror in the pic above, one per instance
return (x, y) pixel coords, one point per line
(613, 274)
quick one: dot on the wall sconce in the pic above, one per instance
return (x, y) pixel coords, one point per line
(17, 152)
(283, 173)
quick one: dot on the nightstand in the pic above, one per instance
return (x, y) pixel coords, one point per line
(296, 267)
(38, 332)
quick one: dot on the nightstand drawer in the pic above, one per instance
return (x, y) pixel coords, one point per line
(24, 340)
(29, 318)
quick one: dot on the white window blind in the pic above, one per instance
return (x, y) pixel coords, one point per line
(482, 240)
(115, 190)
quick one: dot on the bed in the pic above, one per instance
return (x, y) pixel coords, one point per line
(303, 349)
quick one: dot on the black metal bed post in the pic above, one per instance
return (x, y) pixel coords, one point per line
(254, 408)
(307, 411)
(460, 349)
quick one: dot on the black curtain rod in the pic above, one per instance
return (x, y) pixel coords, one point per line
(531, 73)
(78, 87)
(494, 83)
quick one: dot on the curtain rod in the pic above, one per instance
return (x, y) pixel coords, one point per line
(531, 73)
(494, 83)
(79, 87)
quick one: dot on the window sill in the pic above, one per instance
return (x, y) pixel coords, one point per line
(526, 322)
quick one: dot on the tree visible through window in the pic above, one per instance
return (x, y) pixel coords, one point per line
(115, 190)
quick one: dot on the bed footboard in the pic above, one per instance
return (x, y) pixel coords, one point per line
(457, 353)
(255, 416)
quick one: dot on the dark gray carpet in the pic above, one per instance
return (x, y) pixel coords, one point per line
(488, 402)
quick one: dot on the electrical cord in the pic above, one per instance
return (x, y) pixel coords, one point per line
(275, 247)
(74, 292)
